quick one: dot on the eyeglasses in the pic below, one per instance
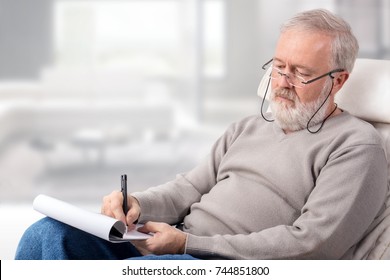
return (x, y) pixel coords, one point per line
(294, 79)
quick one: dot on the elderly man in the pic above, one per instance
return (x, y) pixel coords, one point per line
(303, 182)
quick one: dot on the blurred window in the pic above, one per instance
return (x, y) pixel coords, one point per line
(149, 37)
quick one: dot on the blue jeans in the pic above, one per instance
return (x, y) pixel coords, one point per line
(48, 239)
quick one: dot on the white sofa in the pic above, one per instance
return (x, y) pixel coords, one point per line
(367, 96)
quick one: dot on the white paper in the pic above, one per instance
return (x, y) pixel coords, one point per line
(93, 223)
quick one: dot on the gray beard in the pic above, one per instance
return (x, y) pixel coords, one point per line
(296, 117)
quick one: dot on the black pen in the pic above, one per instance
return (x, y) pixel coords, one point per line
(124, 193)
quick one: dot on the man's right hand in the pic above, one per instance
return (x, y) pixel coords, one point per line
(112, 206)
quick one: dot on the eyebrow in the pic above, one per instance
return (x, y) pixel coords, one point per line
(300, 66)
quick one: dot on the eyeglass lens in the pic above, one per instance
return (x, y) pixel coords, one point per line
(292, 79)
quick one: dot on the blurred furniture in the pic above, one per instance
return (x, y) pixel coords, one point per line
(366, 95)
(87, 109)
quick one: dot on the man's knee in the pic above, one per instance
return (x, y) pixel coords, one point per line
(41, 238)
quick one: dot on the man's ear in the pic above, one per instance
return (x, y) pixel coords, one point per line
(339, 81)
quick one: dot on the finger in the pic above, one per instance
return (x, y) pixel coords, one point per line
(112, 206)
(117, 211)
(131, 227)
(134, 210)
(106, 206)
(132, 215)
(107, 212)
(152, 227)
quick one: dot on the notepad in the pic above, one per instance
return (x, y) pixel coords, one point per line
(96, 224)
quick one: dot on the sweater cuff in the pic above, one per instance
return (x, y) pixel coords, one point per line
(199, 246)
(145, 205)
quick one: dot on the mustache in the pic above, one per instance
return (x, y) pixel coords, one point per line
(285, 93)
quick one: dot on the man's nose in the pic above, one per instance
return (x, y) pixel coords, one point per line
(284, 81)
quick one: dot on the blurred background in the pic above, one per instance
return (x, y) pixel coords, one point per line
(92, 89)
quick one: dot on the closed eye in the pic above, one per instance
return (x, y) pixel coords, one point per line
(302, 74)
(278, 67)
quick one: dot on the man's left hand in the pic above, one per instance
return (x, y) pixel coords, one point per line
(165, 240)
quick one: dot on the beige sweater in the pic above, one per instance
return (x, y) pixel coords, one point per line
(262, 194)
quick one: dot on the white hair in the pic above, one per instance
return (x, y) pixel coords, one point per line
(345, 46)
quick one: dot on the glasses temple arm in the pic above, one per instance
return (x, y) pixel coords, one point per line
(326, 74)
(266, 64)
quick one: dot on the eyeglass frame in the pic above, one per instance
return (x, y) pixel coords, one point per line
(338, 70)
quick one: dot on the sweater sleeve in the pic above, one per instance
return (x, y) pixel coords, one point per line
(171, 202)
(348, 194)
